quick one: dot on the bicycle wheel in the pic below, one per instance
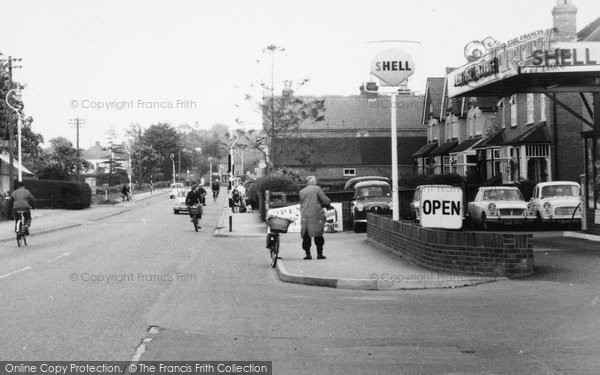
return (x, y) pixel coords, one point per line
(20, 233)
(274, 250)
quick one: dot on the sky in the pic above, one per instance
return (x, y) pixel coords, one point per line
(114, 63)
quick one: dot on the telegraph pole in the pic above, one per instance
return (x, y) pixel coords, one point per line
(9, 125)
(77, 123)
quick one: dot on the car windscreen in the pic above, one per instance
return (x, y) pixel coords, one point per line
(560, 191)
(502, 195)
(373, 191)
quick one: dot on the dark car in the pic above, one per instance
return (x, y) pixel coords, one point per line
(370, 196)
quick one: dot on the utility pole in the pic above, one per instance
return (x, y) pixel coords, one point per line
(111, 135)
(9, 125)
(77, 123)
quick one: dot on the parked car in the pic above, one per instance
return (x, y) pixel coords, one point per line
(415, 205)
(176, 188)
(500, 205)
(179, 205)
(557, 202)
(370, 196)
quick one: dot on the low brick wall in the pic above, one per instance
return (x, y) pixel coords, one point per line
(462, 252)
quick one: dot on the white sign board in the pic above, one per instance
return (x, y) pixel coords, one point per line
(392, 66)
(442, 207)
(334, 217)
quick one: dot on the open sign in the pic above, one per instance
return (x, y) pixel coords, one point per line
(442, 208)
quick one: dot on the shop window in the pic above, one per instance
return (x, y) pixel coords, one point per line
(542, 108)
(349, 172)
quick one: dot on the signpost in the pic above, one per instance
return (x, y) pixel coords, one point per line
(442, 207)
(393, 66)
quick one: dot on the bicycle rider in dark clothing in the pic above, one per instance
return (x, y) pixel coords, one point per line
(21, 200)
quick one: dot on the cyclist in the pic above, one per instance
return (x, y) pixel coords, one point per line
(193, 198)
(215, 187)
(21, 200)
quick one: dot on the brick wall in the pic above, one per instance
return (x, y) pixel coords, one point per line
(462, 252)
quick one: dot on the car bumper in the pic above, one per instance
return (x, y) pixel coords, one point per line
(510, 219)
(562, 219)
(181, 208)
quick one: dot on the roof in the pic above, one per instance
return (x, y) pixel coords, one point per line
(360, 113)
(371, 183)
(96, 152)
(16, 165)
(351, 182)
(590, 33)
(443, 149)
(465, 145)
(344, 151)
(425, 150)
(495, 140)
(542, 184)
(537, 134)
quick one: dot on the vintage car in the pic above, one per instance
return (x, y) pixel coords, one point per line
(175, 188)
(373, 196)
(415, 204)
(557, 201)
(179, 205)
(500, 205)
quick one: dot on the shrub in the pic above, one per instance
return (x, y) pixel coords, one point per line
(60, 194)
(278, 183)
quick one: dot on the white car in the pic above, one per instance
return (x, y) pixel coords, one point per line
(179, 205)
(557, 201)
(500, 205)
(175, 188)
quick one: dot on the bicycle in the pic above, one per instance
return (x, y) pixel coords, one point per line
(21, 228)
(276, 225)
(196, 213)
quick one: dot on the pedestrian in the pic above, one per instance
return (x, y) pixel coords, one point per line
(312, 223)
(125, 192)
(235, 200)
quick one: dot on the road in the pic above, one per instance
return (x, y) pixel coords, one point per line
(220, 300)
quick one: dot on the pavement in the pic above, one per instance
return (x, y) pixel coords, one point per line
(352, 262)
(52, 220)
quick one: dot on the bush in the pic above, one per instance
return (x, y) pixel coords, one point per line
(279, 183)
(60, 194)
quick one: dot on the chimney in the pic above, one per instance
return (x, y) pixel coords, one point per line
(564, 21)
(371, 91)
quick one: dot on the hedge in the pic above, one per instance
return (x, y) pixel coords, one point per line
(60, 194)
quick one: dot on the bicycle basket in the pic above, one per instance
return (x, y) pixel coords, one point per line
(279, 224)
(195, 210)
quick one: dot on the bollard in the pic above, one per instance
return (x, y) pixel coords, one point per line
(230, 222)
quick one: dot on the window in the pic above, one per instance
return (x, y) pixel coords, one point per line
(542, 107)
(513, 110)
(349, 172)
(530, 119)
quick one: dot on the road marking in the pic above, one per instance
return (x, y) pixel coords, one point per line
(58, 257)
(14, 272)
(595, 300)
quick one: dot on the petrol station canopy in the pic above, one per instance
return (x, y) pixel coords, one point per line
(531, 63)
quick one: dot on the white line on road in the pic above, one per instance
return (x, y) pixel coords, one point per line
(14, 272)
(58, 257)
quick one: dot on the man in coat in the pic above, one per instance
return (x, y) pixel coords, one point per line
(312, 224)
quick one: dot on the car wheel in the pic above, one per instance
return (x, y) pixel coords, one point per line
(483, 222)
(175, 212)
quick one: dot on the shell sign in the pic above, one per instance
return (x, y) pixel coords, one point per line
(392, 66)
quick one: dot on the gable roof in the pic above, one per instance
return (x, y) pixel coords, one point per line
(344, 151)
(443, 149)
(434, 91)
(537, 134)
(494, 140)
(361, 113)
(96, 152)
(465, 145)
(590, 33)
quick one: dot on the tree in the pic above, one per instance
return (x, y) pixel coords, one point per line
(61, 161)
(165, 140)
(146, 161)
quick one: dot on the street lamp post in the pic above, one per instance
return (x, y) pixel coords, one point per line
(173, 160)
(17, 95)
(230, 187)
(130, 173)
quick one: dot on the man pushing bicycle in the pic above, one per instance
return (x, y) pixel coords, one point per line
(21, 200)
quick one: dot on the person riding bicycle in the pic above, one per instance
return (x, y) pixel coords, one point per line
(125, 192)
(21, 200)
(215, 187)
(194, 197)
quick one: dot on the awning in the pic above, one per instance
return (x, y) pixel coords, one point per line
(425, 150)
(6, 159)
(466, 145)
(536, 135)
(443, 149)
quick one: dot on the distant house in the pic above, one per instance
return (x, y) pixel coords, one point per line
(99, 156)
(354, 138)
(5, 183)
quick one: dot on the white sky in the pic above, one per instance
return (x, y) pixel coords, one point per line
(206, 52)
